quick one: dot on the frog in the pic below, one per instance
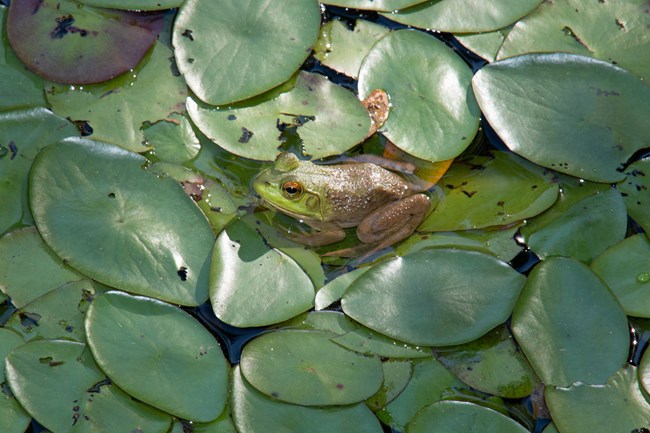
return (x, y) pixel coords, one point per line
(383, 205)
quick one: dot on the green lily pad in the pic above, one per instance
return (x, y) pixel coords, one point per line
(475, 16)
(328, 119)
(375, 5)
(29, 268)
(157, 363)
(434, 297)
(105, 216)
(252, 284)
(253, 412)
(343, 48)
(22, 135)
(173, 140)
(615, 31)
(58, 314)
(582, 228)
(68, 43)
(498, 242)
(428, 384)
(489, 191)
(13, 418)
(370, 343)
(625, 268)
(460, 416)
(233, 51)
(330, 321)
(634, 190)
(493, 364)
(428, 85)
(139, 5)
(397, 374)
(78, 397)
(484, 44)
(567, 310)
(619, 405)
(118, 109)
(307, 368)
(570, 113)
(334, 290)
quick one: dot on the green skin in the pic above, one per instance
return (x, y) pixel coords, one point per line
(383, 206)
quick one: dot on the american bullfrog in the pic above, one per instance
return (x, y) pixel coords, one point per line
(383, 206)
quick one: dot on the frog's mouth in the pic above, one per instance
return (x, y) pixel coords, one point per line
(307, 207)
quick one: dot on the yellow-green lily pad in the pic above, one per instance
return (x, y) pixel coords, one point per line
(490, 191)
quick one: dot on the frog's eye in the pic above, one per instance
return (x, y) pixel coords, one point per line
(291, 189)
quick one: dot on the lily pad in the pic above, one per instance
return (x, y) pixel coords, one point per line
(29, 268)
(139, 5)
(448, 416)
(625, 268)
(334, 290)
(397, 374)
(26, 89)
(428, 384)
(615, 31)
(253, 412)
(370, 343)
(343, 48)
(498, 242)
(78, 397)
(13, 418)
(68, 43)
(118, 109)
(173, 139)
(580, 229)
(105, 216)
(375, 5)
(252, 284)
(427, 84)
(484, 44)
(485, 191)
(429, 298)
(634, 190)
(479, 16)
(58, 314)
(158, 363)
(566, 309)
(232, 51)
(493, 364)
(570, 113)
(619, 405)
(307, 368)
(22, 135)
(327, 118)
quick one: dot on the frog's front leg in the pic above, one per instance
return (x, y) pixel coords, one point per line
(325, 234)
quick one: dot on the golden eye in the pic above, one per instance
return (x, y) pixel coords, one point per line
(291, 189)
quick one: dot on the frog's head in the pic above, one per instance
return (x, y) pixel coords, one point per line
(283, 188)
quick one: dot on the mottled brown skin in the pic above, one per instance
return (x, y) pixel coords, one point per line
(384, 206)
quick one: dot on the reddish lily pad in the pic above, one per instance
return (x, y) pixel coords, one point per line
(73, 44)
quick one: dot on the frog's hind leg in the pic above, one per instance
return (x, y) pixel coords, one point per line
(388, 225)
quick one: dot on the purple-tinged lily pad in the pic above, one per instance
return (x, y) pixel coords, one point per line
(73, 44)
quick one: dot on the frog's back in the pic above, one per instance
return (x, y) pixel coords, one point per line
(356, 189)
